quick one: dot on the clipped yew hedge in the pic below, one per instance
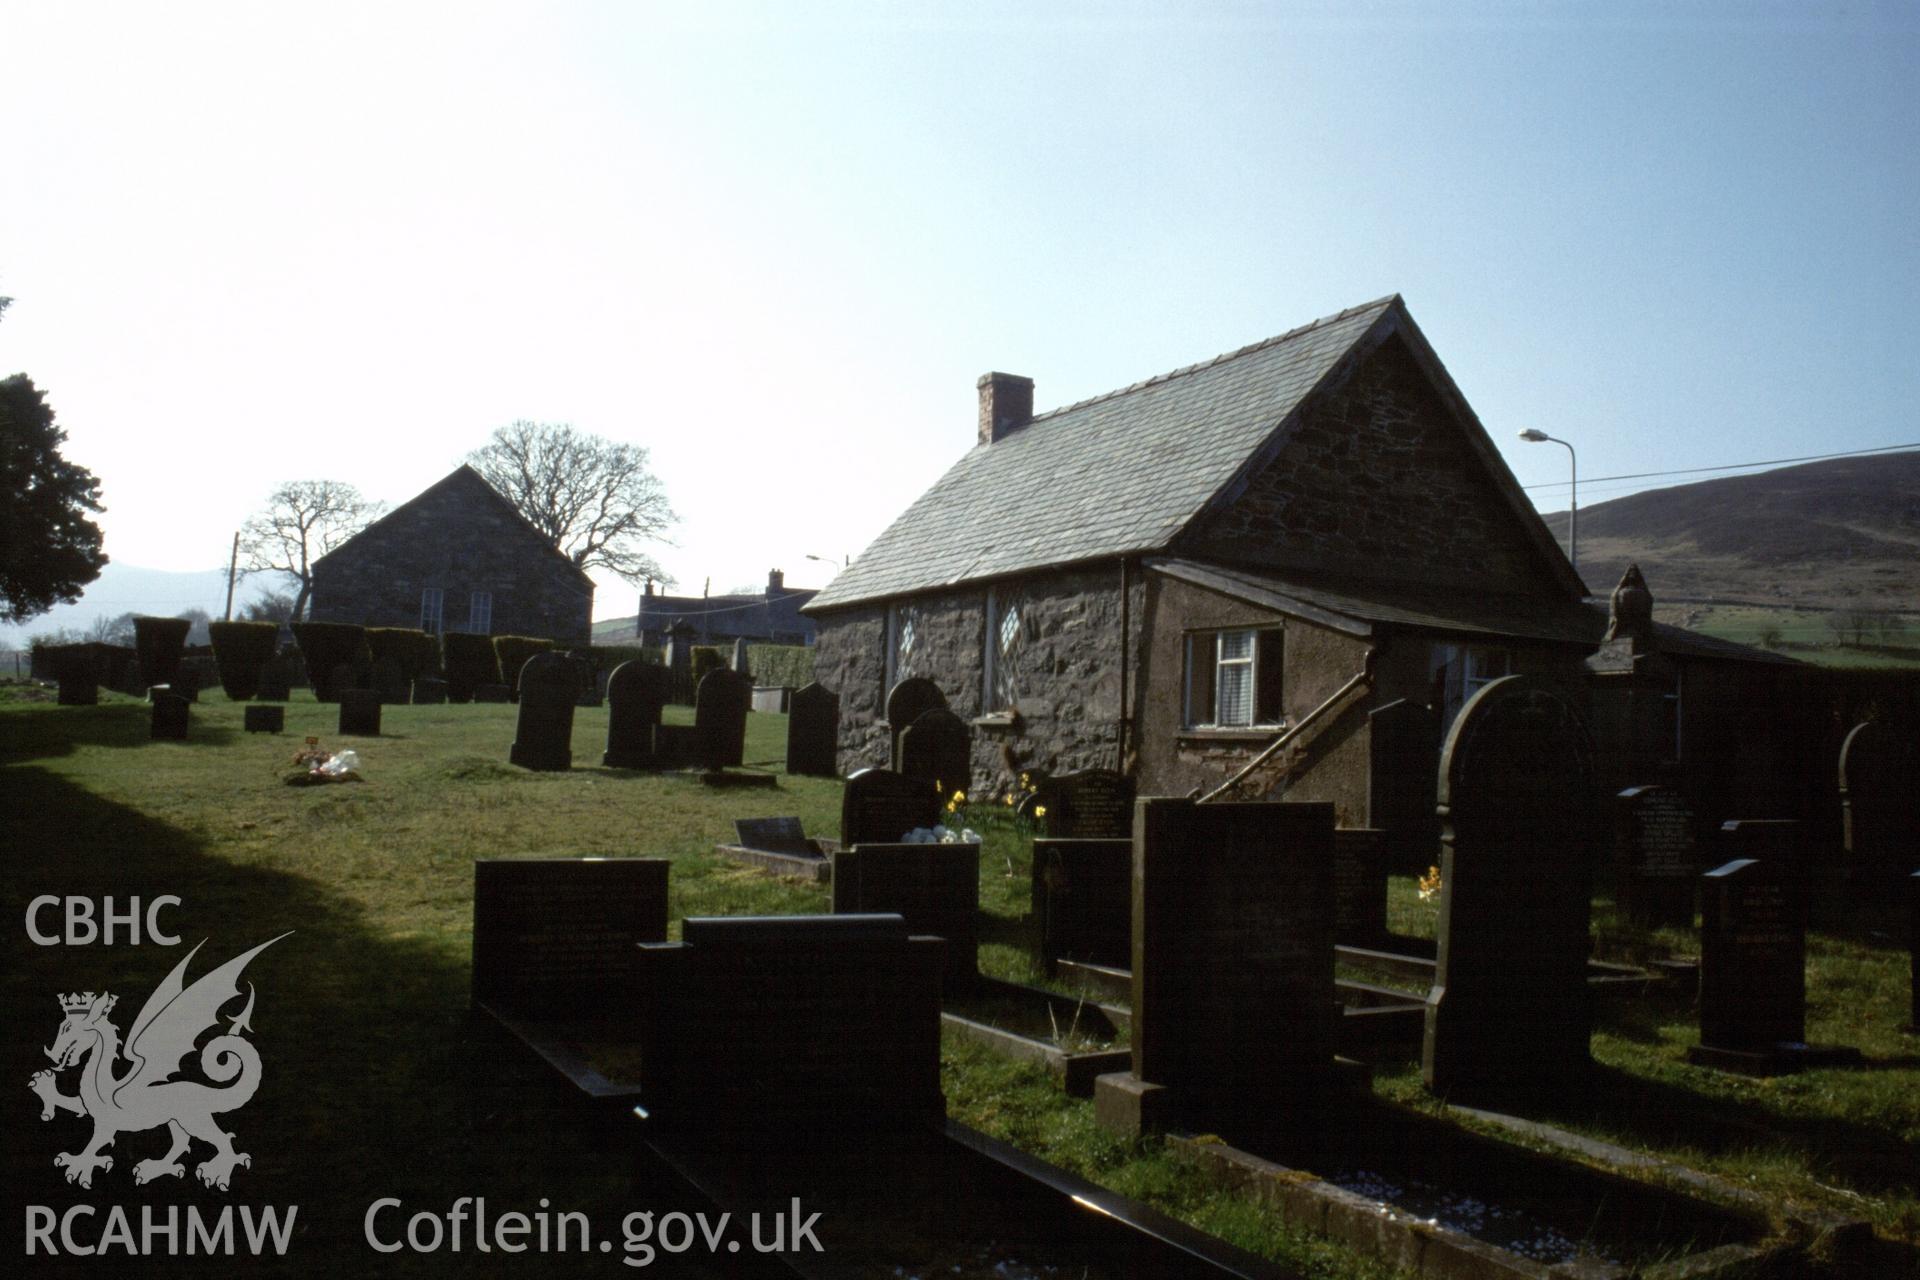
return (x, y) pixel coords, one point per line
(513, 652)
(160, 642)
(416, 652)
(781, 664)
(241, 652)
(326, 645)
(469, 662)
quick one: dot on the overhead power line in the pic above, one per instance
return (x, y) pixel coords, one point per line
(1736, 466)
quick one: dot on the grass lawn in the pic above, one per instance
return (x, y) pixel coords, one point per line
(377, 1085)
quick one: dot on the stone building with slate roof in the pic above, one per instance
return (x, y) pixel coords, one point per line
(458, 557)
(1168, 578)
(773, 616)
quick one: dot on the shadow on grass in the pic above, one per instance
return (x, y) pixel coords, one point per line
(372, 1084)
(49, 732)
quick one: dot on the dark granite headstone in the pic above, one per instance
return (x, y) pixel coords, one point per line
(939, 747)
(635, 693)
(774, 835)
(429, 692)
(1880, 802)
(1233, 995)
(767, 1025)
(264, 719)
(360, 712)
(170, 716)
(1778, 842)
(1658, 859)
(492, 693)
(78, 687)
(879, 806)
(1753, 958)
(559, 936)
(1083, 901)
(1359, 885)
(1509, 1006)
(720, 719)
(907, 702)
(813, 732)
(276, 680)
(543, 733)
(390, 682)
(185, 683)
(1096, 804)
(936, 887)
(1403, 781)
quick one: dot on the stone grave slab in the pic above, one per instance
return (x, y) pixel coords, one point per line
(360, 712)
(778, 845)
(1359, 885)
(559, 937)
(782, 1023)
(1657, 858)
(879, 806)
(813, 732)
(259, 719)
(1095, 804)
(543, 732)
(720, 719)
(170, 718)
(636, 692)
(276, 681)
(935, 887)
(907, 701)
(1510, 1007)
(1083, 901)
(1233, 991)
(429, 691)
(772, 699)
(939, 747)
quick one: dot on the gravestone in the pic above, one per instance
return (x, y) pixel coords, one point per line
(879, 806)
(170, 716)
(1083, 901)
(767, 1025)
(678, 661)
(740, 656)
(934, 887)
(78, 685)
(185, 683)
(429, 692)
(907, 702)
(276, 680)
(720, 719)
(1658, 862)
(1096, 804)
(674, 746)
(939, 747)
(1880, 802)
(774, 835)
(1753, 961)
(1403, 781)
(772, 699)
(261, 719)
(390, 682)
(1359, 886)
(813, 732)
(543, 733)
(492, 693)
(1233, 995)
(554, 937)
(1778, 842)
(360, 712)
(635, 694)
(1509, 1008)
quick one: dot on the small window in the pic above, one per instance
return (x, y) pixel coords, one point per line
(902, 624)
(1004, 645)
(1234, 679)
(432, 600)
(480, 613)
(1460, 671)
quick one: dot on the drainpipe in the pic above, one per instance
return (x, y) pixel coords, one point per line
(1126, 647)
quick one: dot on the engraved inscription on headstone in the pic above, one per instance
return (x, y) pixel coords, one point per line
(879, 806)
(1657, 856)
(1083, 901)
(1359, 885)
(1753, 957)
(1096, 804)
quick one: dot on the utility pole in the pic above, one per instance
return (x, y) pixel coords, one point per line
(233, 566)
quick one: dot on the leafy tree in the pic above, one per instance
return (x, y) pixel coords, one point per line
(594, 498)
(303, 520)
(197, 633)
(107, 630)
(268, 606)
(49, 549)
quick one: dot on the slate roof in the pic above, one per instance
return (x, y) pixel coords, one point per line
(1120, 474)
(465, 477)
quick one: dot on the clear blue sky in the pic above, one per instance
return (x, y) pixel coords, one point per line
(776, 244)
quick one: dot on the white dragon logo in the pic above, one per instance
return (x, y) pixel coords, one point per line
(145, 1096)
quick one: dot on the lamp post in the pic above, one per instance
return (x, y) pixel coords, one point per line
(1573, 503)
(829, 560)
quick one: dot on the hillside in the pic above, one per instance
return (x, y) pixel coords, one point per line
(1824, 535)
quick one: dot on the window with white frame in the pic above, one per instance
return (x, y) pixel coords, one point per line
(1234, 678)
(1458, 671)
(432, 600)
(1004, 645)
(480, 613)
(903, 626)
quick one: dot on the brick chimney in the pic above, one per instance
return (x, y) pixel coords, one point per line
(776, 582)
(1006, 404)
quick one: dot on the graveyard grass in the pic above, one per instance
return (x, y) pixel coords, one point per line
(366, 1003)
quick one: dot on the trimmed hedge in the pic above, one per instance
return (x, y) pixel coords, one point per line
(242, 651)
(781, 664)
(417, 652)
(326, 645)
(469, 662)
(513, 652)
(605, 657)
(707, 657)
(160, 642)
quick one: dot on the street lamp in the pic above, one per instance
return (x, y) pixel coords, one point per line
(1573, 503)
(829, 560)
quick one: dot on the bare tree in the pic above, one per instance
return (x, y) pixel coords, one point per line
(303, 520)
(592, 497)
